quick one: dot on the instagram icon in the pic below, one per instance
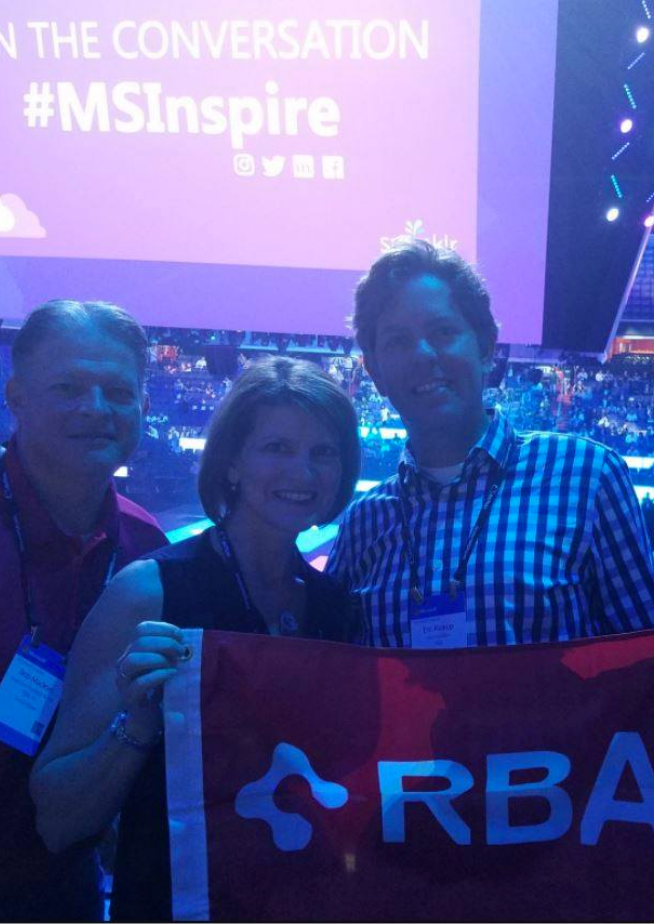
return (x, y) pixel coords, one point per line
(244, 165)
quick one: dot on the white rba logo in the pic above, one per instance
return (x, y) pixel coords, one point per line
(290, 831)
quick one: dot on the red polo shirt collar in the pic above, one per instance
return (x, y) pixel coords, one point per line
(40, 532)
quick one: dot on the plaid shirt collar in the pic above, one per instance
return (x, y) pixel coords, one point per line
(495, 444)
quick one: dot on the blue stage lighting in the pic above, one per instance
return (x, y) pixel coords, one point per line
(620, 151)
(630, 95)
(613, 213)
(616, 186)
(636, 60)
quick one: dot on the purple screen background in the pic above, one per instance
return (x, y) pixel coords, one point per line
(460, 142)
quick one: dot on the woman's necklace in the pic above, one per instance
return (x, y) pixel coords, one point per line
(285, 622)
(288, 624)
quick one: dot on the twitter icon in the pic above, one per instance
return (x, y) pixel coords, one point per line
(273, 166)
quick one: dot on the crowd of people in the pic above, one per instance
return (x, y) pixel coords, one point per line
(610, 403)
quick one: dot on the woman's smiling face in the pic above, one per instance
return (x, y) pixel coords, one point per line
(289, 470)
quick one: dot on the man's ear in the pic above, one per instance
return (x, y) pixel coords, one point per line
(14, 396)
(373, 370)
(487, 358)
(145, 404)
(487, 364)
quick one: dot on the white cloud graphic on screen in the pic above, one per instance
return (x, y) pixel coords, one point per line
(16, 220)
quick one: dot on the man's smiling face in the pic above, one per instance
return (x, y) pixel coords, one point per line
(427, 358)
(79, 403)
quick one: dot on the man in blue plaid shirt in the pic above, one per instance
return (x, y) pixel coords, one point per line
(485, 536)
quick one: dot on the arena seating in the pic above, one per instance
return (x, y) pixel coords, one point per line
(612, 403)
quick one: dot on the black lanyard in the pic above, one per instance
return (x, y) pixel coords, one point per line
(459, 575)
(33, 626)
(232, 563)
(253, 614)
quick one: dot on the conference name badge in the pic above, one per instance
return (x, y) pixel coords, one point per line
(29, 695)
(440, 622)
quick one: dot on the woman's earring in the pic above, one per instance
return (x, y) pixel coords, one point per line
(230, 497)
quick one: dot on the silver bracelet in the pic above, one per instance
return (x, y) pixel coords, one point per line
(120, 733)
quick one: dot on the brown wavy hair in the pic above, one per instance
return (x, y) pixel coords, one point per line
(276, 380)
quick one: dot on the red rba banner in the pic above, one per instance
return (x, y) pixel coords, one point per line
(313, 781)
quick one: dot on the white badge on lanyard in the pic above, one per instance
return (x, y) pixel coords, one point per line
(29, 695)
(440, 622)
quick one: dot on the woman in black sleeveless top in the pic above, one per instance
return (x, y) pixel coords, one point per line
(282, 454)
(189, 572)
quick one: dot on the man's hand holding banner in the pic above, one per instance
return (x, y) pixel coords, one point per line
(312, 781)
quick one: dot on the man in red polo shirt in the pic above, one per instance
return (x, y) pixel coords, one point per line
(77, 395)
